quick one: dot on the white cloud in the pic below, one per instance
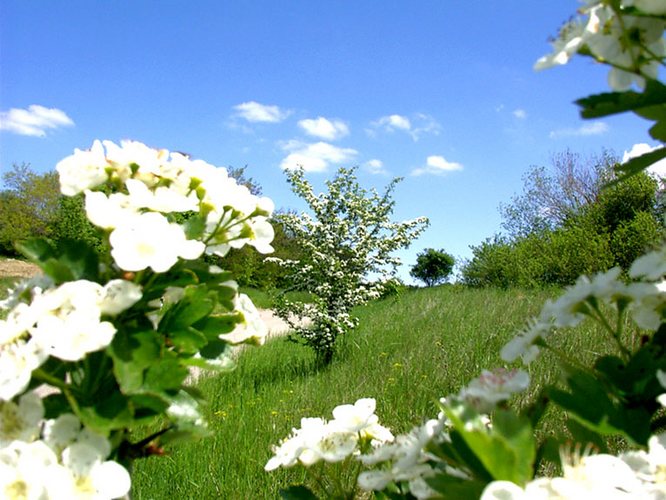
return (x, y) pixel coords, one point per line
(315, 157)
(254, 112)
(418, 125)
(437, 165)
(521, 114)
(323, 128)
(375, 166)
(33, 121)
(393, 122)
(657, 170)
(587, 129)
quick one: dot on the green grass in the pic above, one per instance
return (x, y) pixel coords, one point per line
(407, 352)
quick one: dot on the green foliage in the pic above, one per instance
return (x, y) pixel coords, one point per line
(71, 223)
(632, 237)
(28, 204)
(594, 228)
(432, 266)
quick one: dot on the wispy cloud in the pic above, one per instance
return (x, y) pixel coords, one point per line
(34, 121)
(416, 126)
(375, 166)
(323, 128)
(519, 113)
(255, 112)
(315, 157)
(437, 165)
(393, 122)
(587, 129)
(657, 170)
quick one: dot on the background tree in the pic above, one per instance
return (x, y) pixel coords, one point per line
(28, 205)
(568, 222)
(432, 266)
(553, 195)
(347, 242)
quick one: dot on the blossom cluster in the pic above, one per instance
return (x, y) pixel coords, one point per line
(405, 460)
(492, 387)
(351, 429)
(55, 458)
(644, 298)
(66, 322)
(151, 185)
(632, 474)
(627, 35)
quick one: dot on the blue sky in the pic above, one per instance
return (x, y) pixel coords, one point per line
(441, 93)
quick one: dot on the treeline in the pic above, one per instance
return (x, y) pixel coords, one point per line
(569, 221)
(31, 206)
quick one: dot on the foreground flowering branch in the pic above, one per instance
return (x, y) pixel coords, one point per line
(113, 334)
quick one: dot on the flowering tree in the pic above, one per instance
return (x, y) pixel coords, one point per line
(348, 240)
(478, 446)
(115, 333)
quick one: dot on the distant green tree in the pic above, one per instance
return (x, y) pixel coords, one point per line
(432, 266)
(71, 223)
(28, 205)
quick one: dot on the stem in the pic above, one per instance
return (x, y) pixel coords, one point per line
(565, 358)
(614, 333)
(40, 374)
(319, 481)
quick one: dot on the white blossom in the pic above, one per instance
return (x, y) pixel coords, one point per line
(252, 329)
(119, 295)
(82, 170)
(21, 421)
(150, 240)
(492, 387)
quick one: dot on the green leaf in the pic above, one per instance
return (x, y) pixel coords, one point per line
(194, 227)
(71, 260)
(79, 258)
(299, 492)
(589, 403)
(582, 434)
(133, 353)
(195, 304)
(213, 326)
(166, 374)
(107, 414)
(455, 488)
(507, 450)
(639, 163)
(188, 340)
(36, 250)
(467, 456)
(651, 103)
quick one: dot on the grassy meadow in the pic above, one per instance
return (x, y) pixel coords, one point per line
(407, 352)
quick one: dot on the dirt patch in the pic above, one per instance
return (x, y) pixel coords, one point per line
(12, 268)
